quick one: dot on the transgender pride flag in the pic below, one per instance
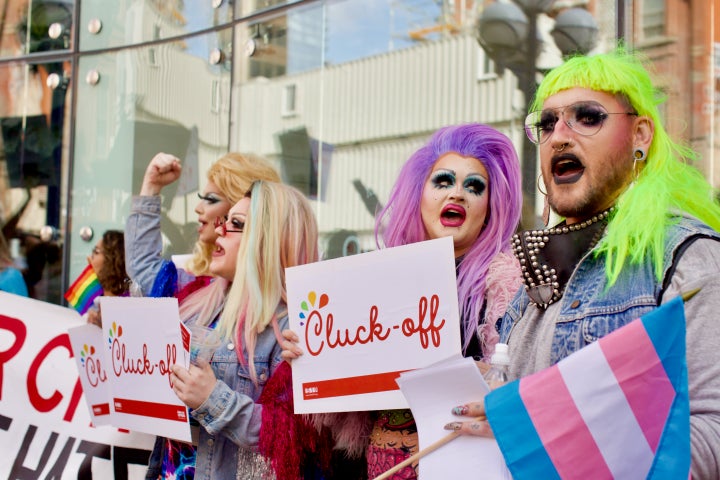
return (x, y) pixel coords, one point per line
(617, 408)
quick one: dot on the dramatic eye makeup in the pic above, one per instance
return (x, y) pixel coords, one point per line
(210, 198)
(443, 179)
(237, 224)
(475, 184)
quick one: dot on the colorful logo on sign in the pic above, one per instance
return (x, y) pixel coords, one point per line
(92, 366)
(115, 332)
(307, 306)
(85, 353)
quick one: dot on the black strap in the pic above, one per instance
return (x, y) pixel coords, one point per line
(676, 259)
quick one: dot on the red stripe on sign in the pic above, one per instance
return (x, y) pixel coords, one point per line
(101, 409)
(338, 387)
(150, 409)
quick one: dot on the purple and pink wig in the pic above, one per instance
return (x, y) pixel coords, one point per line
(400, 221)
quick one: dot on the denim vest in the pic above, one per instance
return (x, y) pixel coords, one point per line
(589, 311)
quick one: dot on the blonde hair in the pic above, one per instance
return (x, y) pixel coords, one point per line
(280, 232)
(233, 173)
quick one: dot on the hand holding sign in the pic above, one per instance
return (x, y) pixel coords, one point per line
(195, 385)
(290, 348)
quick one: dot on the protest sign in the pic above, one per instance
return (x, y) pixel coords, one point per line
(364, 319)
(87, 345)
(432, 393)
(142, 339)
(45, 430)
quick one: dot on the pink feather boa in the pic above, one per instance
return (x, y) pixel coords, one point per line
(290, 442)
(502, 280)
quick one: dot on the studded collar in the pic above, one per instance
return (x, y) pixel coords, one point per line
(548, 257)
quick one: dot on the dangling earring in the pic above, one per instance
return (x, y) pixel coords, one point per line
(638, 156)
(538, 185)
(546, 204)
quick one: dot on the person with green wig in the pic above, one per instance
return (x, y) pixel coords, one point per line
(639, 227)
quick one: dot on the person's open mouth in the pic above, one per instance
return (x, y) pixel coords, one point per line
(452, 215)
(566, 168)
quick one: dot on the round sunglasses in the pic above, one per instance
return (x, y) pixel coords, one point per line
(585, 118)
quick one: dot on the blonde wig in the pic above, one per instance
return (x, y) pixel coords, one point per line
(280, 232)
(233, 173)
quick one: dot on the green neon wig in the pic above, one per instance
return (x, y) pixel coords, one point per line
(668, 182)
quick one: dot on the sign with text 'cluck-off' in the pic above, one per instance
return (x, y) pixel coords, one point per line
(143, 339)
(364, 319)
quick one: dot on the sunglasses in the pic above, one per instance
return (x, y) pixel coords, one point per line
(585, 118)
(222, 223)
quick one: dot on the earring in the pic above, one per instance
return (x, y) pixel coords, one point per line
(638, 156)
(546, 204)
(538, 185)
(546, 212)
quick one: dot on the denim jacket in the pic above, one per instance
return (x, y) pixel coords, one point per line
(230, 419)
(588, 311)
(143, 244)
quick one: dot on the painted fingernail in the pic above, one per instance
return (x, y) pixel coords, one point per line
(453, 426)
(461, 410)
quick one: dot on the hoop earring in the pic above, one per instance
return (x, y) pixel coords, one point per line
(546, 203)
(538, 185)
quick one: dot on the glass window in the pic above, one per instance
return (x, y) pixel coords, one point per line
(339, 93)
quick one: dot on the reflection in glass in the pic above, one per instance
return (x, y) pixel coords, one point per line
(34, 26)
(129, 23)
(32, 128)
(165, 97)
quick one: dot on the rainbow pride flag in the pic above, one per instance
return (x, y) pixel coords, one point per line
(618, 408)
(83, 291)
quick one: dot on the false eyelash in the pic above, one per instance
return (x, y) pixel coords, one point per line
(441, 178)
(477, 183)
(208, 198)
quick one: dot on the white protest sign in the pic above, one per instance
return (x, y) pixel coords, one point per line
(364, 319)
(142, 338)
(45, 430)
(432, 392)
(87, 345)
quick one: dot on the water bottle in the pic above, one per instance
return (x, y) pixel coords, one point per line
(497, 376)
